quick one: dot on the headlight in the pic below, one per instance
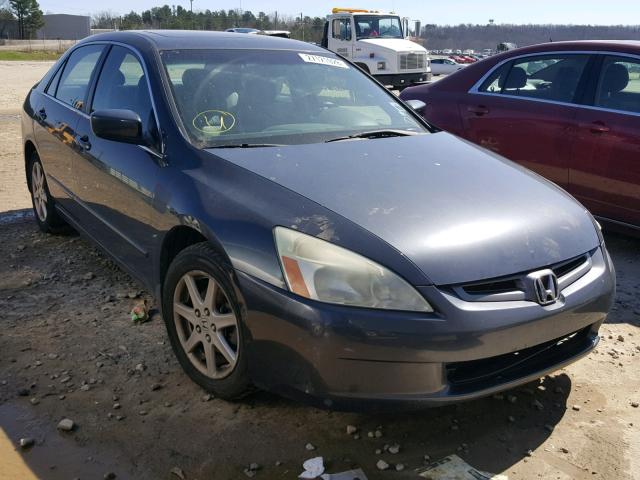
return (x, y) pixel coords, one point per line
(322, 271)
(598, 228)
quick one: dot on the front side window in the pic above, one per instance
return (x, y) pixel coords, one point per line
(123, 85)
(342, 29)
(76, 76)
(227, 97)
(545, 77)
(377, 26)
(619, 84)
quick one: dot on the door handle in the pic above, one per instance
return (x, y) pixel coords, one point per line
(42, 113)
(84, 142)
(478, 110)
(597, 127)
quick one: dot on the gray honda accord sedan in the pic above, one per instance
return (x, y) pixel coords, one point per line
(304, 230)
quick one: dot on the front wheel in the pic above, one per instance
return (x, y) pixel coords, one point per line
(46, 215)
(204, 321)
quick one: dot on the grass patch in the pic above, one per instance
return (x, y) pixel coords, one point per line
(33, 55)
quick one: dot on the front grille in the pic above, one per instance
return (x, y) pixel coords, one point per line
(487, 372)
(513, 287)
(491, 288)
(562, 269)
(412, 61)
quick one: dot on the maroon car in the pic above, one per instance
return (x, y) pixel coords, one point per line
(568, 110)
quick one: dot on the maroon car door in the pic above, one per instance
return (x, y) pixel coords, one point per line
(605, 167)
(524, 111)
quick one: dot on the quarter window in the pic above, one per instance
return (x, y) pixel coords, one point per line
(495, 81)
(545, 77)
(53, 85)
(76, 77)
(619, 84)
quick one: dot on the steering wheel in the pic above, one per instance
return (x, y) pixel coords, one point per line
(199, 102)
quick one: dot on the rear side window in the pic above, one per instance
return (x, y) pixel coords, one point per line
(619, 84)
(76, 77)
(552, 77)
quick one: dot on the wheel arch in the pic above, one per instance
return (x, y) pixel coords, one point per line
(363, 66)
(180, 237)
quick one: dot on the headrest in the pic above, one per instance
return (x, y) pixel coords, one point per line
(517, 78)
(118, 78)
(616, 78)
(261, 89)
(193, 77)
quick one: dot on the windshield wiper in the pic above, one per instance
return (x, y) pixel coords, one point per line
(374, 134)
(247, 145)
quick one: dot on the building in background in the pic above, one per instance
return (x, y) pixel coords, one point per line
(64, 27)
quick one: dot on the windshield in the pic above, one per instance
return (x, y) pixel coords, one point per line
(252, 97)
(377, 26)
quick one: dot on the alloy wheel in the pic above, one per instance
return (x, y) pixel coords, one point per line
(38, 191)
(206, 325)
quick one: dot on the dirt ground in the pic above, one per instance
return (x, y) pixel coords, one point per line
(16, 78)
(68, 349)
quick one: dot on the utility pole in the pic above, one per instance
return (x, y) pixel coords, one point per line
(193, 22)
(302, 25)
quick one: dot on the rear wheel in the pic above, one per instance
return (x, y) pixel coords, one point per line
(46, 215)
(204, 321)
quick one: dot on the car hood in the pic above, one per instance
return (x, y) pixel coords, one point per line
(458, 212)
(394, 44)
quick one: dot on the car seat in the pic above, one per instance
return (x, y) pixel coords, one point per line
(614, 81)
(515, 80)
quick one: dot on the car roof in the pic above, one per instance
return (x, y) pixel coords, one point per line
(191, 39)
(596, 45)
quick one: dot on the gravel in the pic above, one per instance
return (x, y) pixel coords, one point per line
(66, 425)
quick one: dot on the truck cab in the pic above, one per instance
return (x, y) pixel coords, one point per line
(377, 43)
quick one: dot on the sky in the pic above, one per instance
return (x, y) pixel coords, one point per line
(611, 12)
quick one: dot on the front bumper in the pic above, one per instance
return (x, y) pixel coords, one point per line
(348, 358)
(403, 80)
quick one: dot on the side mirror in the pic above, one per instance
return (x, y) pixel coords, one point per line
(416, 105)
(117, 125)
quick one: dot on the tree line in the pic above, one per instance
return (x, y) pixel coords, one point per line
(478, 37)
(28, 17)
(178, 17)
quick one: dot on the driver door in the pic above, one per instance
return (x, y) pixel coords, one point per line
(117, 181)
(341, 37)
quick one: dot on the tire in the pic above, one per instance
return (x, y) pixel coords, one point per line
(43, 204)
(207, 334)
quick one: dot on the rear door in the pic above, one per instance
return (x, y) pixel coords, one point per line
(59, 110)
(605, 165)
(525, 110)
(116, 181)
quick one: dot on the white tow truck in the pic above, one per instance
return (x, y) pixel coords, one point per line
(377, 42)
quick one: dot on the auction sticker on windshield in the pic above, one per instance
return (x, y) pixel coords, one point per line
(334, 62)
